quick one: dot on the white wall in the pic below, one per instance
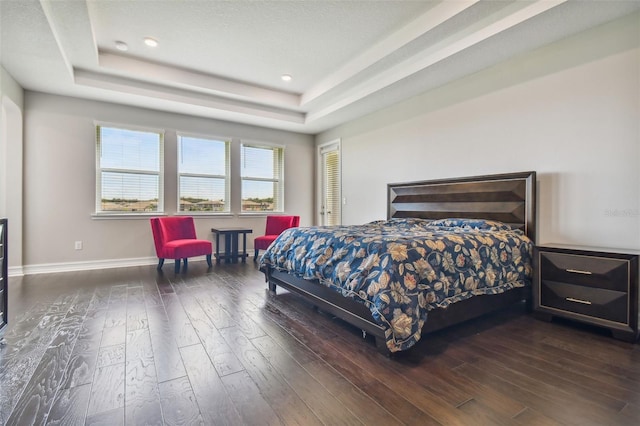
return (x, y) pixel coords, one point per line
(59, 192)
(570, 111)
(11, 104)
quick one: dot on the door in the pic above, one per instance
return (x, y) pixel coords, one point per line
(330, 213)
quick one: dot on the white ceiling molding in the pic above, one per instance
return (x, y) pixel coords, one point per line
(157, 91)
(174, 76)
(442, 50)
(414, 29)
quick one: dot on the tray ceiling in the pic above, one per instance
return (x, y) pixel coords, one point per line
(224, 59)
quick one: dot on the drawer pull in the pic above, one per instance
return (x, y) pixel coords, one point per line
(578, 271)
(584, 302)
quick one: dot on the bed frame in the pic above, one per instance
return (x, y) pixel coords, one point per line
(509, 198)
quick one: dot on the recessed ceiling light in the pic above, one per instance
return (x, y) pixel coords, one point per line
(150, 42)
(121, 45)
(286, 77)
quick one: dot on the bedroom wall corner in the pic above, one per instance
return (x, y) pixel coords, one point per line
(11, 165)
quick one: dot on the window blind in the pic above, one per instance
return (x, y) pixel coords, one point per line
(203, 175)
(129, 172)
(332, 188)
(261, 173)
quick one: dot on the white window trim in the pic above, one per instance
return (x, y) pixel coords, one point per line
(229, 142)
(263, 144)
(98, 214)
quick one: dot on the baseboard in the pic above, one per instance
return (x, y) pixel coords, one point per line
(15, 271)
(48, 268)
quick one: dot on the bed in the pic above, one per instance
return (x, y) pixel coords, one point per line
(450, 250)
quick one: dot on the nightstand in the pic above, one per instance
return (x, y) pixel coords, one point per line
(595, 286)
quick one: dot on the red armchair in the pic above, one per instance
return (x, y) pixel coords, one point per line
(275, 226)
(175, 238)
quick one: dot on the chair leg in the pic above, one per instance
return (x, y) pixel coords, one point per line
(209, 260)
(185, 264)
(177, 269)
(255, 255)
(160, 263)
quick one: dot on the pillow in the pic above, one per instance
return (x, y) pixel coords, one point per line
(402, 221)
(469, 224)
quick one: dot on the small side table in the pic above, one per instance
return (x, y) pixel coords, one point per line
(231, 237)
(596, 286)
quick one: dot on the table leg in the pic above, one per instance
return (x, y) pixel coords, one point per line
(227, 248)
(234, 249)
(217, 247)
(244, 247)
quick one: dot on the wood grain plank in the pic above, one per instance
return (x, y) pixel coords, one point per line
(224, 360)
(113, 417)
(548, 382)
(109, 355)
(70, 406)
(274, 389)
(167, 357)
(556, 405)
(324, 405)
(141, 393)
(151, 294)
(108, 390)
(360, 403)
(179, 403)
(216, 314)
(483, 414)
(248, 400)
(215, 405)
(529, 416)
(142, 399)
(527, 331)
(21, 363)
(38, 395)
(116, 315)
(182, 329)
(604, 393)
(82, 363)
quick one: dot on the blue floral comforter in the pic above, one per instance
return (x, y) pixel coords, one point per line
(403, 268)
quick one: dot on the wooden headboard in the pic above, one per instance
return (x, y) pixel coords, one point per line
(508, 198)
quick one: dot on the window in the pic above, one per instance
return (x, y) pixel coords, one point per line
(262, 178)
(203, 175)
(129, 172)
(330, 206)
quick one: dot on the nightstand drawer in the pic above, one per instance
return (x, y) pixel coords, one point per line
(588, 271)
(605, 304)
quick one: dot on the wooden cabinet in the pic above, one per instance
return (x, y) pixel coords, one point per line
(4, 282)
(589, 285)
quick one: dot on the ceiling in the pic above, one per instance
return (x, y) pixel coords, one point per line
(224, 59)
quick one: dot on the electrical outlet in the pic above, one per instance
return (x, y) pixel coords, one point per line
(78, 245)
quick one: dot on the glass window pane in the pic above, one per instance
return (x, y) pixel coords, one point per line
(129, 149)
(203, 174)
(259, 195)
(258, 162)
(129, 192)
(129, 170)
(202, 194)
(262, 183)
(202, 156)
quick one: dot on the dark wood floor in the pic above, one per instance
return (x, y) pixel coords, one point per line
(130, 346)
